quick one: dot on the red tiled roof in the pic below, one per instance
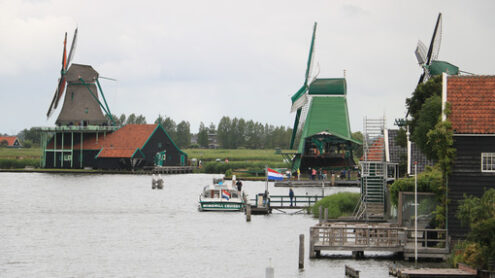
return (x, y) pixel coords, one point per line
(472, 100)
(10, 139)
(375, 152)
(121, 143)
(125, 141)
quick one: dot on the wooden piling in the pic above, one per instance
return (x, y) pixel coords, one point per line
(248, 213)
(320, 220)
(351, 272)
(301, 251)
(326, 215)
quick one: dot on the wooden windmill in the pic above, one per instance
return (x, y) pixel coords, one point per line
(81, 104)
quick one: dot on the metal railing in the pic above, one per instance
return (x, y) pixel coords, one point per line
(300, 201)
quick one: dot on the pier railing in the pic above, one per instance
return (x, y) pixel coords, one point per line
(299, 201)
(359, 237)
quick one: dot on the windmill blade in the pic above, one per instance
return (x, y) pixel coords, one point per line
(310, 57)
(107, 78)
(420, 53)
(421, 78)
(436, 39)
(72, 49)
(61, 81)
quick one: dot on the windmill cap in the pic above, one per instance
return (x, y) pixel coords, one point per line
(86, 72)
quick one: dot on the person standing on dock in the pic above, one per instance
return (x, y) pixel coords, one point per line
(291, 195)
(298, 174)
(239, 185)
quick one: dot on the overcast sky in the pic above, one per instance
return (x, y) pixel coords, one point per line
(200, 60)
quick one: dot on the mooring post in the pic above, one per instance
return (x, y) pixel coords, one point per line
(248, 213)
(320, 215)
(326, 215)
(301, 251)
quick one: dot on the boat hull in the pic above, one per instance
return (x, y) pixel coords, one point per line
(220, 206)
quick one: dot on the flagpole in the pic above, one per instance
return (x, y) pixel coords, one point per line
(266, 174)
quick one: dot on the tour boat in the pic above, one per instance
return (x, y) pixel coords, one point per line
(221, 197)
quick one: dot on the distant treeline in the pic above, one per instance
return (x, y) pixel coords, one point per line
(230, 134)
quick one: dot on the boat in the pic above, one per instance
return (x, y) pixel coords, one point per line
(220, 196)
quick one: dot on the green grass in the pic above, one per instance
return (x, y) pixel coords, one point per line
(20, 153)
(234, 155)
(244, 159)
(340, 204)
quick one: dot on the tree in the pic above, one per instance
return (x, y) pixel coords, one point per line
(433, 87)
(4, 143)
(183, 135)
(428, 117)
(32, 134)
(223, 133)
(169, 125)
(140, 120)
(203, 135)
(131, 119)
(479, 215)
(122, 119)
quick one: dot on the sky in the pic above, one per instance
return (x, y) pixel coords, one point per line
(200, 60)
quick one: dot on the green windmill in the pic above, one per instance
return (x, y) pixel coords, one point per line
(321, 133)
(428, 59)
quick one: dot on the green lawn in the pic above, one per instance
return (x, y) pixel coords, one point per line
(21, 153)
(234, 155)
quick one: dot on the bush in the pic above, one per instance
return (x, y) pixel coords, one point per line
(340, 204)
(428, 181)
(7, 163)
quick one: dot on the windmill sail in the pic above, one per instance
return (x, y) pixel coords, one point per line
(61, 80)
(420, 53)
(296, 102)
(433, 50)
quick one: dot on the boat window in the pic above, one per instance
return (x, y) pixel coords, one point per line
(215, 194)
(234, 194)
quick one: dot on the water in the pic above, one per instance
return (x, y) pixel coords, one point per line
(64, 225)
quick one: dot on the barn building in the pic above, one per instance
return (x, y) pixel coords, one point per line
(472, 103)
(131, 146)
(10, 141)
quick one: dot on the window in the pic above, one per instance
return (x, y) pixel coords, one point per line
(487, 162)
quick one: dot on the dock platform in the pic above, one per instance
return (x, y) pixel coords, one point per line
(317, 183)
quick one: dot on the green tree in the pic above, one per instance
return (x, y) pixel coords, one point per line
(203, 135)
(140, 120)
(414, 104)
(32, 134)
(122, 119)
(428, 117)
(131, 119)
(169, 125)
(479, 215)
(4, 143)
(183, 134)
(223, 133)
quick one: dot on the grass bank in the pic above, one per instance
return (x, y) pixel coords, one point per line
(340, 204)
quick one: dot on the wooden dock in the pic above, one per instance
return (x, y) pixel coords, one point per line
(361, 237)
(169, 169)
(434, 272)
(317, 183)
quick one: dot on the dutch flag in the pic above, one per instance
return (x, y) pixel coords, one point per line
(274, 175)
(225, 194)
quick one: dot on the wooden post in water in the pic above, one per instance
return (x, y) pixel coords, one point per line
(301, 251)
(351, 272)
(326, 215)
(248, 213)
(320, 215)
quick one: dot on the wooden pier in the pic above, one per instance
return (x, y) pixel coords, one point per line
(282, 202)
(317, 183)
(361, 237)
(463, 271)
(169, 169)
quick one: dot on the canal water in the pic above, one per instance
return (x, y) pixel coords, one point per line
(66, 225)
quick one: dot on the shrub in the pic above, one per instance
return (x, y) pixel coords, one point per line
(340, 204)
(7, 163)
